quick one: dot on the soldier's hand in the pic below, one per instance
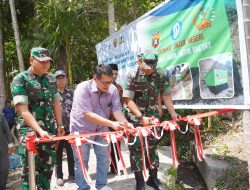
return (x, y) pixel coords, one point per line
(175, 116)
(128, 125)
(117, 126)
(60, 131)
(44, 134)
(160, 110)
(145, 121)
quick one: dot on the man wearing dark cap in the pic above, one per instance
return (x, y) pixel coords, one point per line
(66, 101)
(144, 84)
(37, 101)
(113, 166)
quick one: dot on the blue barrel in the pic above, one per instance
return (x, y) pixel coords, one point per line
(14, 161)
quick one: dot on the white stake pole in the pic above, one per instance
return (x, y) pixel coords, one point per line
(31, 162)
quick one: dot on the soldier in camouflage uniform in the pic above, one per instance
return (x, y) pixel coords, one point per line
(37, 101)
(144, 84)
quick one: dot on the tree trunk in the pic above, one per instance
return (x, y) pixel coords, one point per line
(62, 59)
(17, 35)
(2, 84)
(133, 9)
(69, 63)
(246, 114)
(111, 14)
(35, 26)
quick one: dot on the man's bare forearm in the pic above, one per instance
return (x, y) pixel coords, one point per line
(97, 119)
(169, 103)
(119, 116)
(132, 106)
(29, 119)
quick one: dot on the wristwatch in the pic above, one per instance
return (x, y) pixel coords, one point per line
(61, 126)
(139, 118)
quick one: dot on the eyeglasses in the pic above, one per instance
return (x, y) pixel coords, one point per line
(149, 61)
(106, 83)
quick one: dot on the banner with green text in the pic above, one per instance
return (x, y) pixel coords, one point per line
(198, 44)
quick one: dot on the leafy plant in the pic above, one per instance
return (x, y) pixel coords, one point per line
(182, 140)
(170, 177)
(171, 171)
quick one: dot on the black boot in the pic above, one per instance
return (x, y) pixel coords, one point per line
(153, 181)
(140, 184)
(153, 173)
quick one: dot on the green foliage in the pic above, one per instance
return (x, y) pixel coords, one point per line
(75, 26)
(170, 176)
(70, 29)
(234, 179)
(129, 10)
(171, 171)
(182, 140)
(224, 149)
(24, 11)
(10, 64)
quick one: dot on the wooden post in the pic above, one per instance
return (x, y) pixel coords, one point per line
(209, 123)
(31, 162)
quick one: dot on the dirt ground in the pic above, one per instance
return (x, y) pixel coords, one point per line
(116, 182)
(224, 142)
(188, 177)
(227, 142)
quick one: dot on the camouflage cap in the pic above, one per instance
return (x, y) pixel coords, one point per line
(41, 54)
(149, 60)
(150, 56)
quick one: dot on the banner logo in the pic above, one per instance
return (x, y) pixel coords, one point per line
(118, 41)
(176, 30)
(203, 17)
(156, 39)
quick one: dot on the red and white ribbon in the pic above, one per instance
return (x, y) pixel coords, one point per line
(114, 139)
(171, 127)
(143, 132)
(77, 142)
(196, 122)
(78, 139)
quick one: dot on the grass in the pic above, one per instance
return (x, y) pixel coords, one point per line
(221, 138)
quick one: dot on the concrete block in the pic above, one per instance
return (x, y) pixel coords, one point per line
(211, 169)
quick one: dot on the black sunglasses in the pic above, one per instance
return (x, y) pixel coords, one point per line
(150, 61)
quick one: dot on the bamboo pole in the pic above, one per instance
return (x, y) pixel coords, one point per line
(31, 162)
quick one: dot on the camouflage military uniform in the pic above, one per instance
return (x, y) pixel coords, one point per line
(38, 93)
(144, 90)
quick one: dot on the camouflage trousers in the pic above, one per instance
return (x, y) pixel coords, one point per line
(136, 153)
(44, 162)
